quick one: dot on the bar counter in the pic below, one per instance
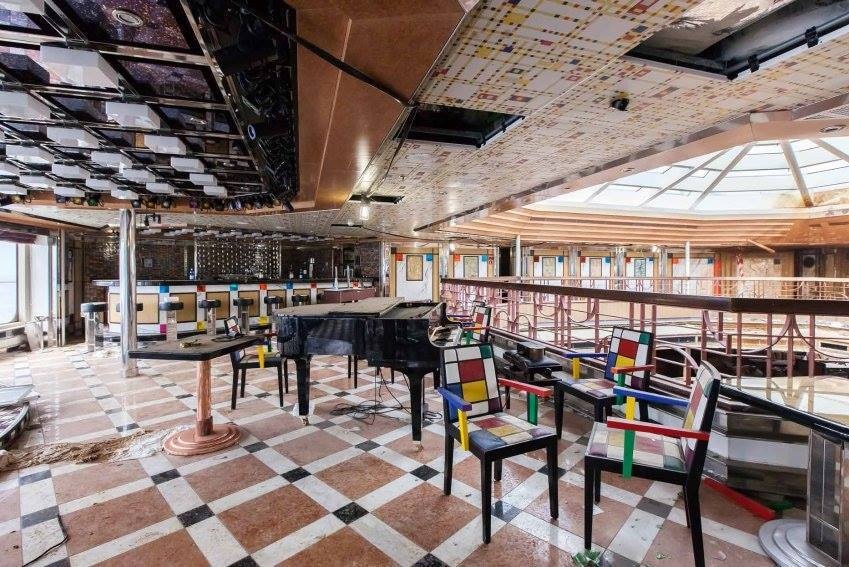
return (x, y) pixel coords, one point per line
(192, 319)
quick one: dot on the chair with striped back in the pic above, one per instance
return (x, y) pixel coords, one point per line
(477, 330)
(474, 418)
(656, 452)
(628, 363)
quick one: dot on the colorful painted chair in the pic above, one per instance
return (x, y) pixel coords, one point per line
(474, 417)
(656, 452)
(629, 363)
(477, 330)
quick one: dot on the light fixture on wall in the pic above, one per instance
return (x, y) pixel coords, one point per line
(452, 247)
(365, 209)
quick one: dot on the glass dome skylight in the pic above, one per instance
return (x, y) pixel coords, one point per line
(756, 177)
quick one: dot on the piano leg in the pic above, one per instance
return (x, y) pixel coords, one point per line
(302, 368)
(416, 403)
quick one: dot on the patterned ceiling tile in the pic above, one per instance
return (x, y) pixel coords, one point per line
(558, 64)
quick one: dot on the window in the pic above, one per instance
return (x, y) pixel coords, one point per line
(8, 282)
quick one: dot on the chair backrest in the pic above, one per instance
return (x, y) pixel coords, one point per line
(469, 372)
(699, 416)
(629, 347)
(481, 316)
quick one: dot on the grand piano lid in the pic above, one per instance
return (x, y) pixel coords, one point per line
(369, 307)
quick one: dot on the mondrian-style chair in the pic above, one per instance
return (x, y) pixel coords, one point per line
(477, 330)
(474, 418)
(628, 363)
(656, 452)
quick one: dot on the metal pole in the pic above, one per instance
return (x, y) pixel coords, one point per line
(517, 260)
(53, 286)
(384, 269)
(63, 277)
(127, 284)
(574, 262)
(687, 265)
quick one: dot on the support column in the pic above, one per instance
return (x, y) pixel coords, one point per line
(63, 277)
(574, 263)
(384, 269)
(619, 262)
(517, 258)
(127, 285)
(53, 287)
(687, 266)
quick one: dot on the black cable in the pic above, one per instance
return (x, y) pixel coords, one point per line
(65, 538)
(368, 411)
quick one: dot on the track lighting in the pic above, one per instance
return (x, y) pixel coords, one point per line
(365, 210)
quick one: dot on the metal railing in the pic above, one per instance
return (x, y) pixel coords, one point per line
(742, 336)
(831, 289)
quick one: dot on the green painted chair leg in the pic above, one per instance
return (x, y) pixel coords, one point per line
(628, 454)
(620, 381)
(533, 408)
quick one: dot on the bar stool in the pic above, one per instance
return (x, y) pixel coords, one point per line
(93, 313)
(210, 305)
(300, 300)
(273, 302)
(171, 306)
(243, 313)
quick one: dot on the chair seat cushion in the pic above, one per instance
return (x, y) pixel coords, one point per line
(595, 387)
(650, 449)
(500, 429)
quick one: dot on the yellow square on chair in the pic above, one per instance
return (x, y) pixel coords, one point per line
(622, 361)
(475, 391)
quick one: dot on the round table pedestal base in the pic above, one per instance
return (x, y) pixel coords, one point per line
(187, 442)
(785, 542)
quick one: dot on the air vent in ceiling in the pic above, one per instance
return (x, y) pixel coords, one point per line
(379, 199)
(731, 39)
(454, 125)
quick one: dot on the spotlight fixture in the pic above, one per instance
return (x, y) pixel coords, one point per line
(833, 128)
(166, 202)
(452, 247)
(365, 210)
(79, 201)
(219, 205)
(93, 201)
(205, 205)
(193, 203)
(620, 102)
(61, 200)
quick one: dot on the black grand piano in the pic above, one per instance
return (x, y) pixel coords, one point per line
(387, 332)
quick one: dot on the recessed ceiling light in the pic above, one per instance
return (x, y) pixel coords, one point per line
(833, 128)
(127, 18)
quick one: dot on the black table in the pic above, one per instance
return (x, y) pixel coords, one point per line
(822, 405)
(205, 437)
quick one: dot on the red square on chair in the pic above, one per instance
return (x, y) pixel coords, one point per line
(471, 370)
(627, 348)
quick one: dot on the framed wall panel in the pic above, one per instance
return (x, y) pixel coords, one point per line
(415, 267)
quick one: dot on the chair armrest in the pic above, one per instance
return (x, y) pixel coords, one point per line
(523, 387)
(622, 369)
(585, 355)
(650, 397)
(454, 400)
(677, 432)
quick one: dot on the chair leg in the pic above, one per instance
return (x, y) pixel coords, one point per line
(695, 516)
(286, 374)
(686, 506)
(392, 375)
(497, 474)
(598, 413)
(235, 388)
(559, 394)
(280, 383)
(356, 371)
(551, 458)
(349, 368)
(644, 410)
(244, 378)
(589, 483)
(449, 464)
(597, 485)
(486, 498)
(436, 379)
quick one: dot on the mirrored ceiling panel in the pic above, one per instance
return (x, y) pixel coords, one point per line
(135, 22)
(173, 81)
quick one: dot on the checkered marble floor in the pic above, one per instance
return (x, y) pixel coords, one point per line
(337, 492)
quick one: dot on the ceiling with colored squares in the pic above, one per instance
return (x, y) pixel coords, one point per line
(557, 64)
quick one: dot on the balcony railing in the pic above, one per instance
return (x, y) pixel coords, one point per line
(782, 333)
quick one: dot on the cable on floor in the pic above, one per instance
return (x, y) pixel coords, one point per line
(368, 411)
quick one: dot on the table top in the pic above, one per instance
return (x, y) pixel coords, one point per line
(819, 402)
(206, 348)
(369, 307)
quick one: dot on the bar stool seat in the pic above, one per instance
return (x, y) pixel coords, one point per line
(273, 300)
(170, 305)
(93, 307)
(243, 302)
(139, 307)
(209, 303)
